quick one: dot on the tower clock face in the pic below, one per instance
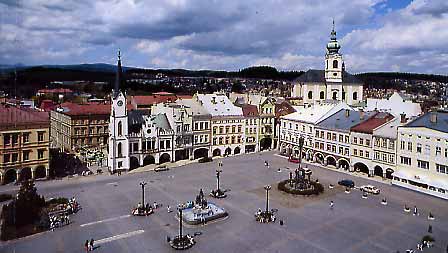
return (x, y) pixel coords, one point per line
(120, 103)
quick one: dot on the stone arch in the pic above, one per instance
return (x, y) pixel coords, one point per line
(217, 152)
(361, 167)
(310, 95)
(378, 171)
(237, 150)
(165, 157)
(149, 159)
(322, 95)
(200, 152)
(133, 163)
(265, 143)
(318, 157)
(228, 151)
(40, 172)
(10, 176)
(330, 160)
(343, 163)
(25, 174)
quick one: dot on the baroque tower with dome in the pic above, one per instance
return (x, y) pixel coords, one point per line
(333, 83)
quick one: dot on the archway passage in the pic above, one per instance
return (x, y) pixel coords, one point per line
(331, 161)
(164, 158)
(237, 150)
(10, 176)
(389, 173)
(319, 158)
(217, 152)
(378, 171)
(41, 172)
(181, 155)
(133, 163)
(25, 174)
(228, 151)
(361, 167)
(149, 159)
(343, 164)
(200, 152)
(265, 143)
(250, 148)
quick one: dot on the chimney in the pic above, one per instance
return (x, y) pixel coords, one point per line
(347, 113)
(361, 114)
(433, 117)
(403, 118)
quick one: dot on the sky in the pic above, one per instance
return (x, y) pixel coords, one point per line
(375, 35)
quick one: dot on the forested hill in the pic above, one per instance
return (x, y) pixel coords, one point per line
(388, 79)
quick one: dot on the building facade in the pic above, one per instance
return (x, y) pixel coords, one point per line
(24, 144)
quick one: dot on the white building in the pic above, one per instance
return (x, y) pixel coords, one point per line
(396, 105)
(301, 124)
(227, 123)
(422, 155)
(333, 83)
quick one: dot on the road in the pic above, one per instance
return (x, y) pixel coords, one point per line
(354, 225)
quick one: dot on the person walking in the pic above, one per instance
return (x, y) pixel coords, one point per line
(91, 244)
(331, 205)
(86, 245)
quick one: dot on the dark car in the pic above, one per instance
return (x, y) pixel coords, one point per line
(347, 183)
(205, 160)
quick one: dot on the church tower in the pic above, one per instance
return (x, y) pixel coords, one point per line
(334, 65)
(118, 126)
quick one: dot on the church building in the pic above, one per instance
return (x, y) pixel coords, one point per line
(333, 83)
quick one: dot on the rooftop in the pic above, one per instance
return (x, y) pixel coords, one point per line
(249, 110)
(74, 109)
(344, 120)
(315, 113)
(372, 123)
(440, 123)
(318, 76)
(15, 116)
(219, 105)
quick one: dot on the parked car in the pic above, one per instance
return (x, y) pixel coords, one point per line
(293, 160)
(347, 183)
(370, 189)
(205, 160)
(161, 168)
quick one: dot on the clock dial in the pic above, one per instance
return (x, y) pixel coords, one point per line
(120, 103)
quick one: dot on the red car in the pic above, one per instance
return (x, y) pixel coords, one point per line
(293, 160)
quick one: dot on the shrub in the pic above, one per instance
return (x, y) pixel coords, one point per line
(5, 197)
(428, 238)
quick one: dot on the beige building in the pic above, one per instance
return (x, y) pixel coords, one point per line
(24, 144)
(77, 126)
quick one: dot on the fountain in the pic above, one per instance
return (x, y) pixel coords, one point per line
(201, 211)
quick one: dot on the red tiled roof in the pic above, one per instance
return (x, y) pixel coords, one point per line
(163, 93)
(47, 105)
(154, 99)
(85, 109)
(185, 96)
(60, 90)
(250, 110)
(373, 122)
(15, 116)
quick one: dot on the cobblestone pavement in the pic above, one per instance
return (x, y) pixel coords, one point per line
(354, 225)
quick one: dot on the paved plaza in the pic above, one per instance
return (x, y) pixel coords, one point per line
(354, 225)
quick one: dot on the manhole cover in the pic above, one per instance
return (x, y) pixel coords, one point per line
(197, 233)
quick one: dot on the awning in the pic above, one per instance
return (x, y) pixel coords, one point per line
(423, 179)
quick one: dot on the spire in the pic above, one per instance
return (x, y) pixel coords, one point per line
(333, 45)
(333, 33)
(119, 76)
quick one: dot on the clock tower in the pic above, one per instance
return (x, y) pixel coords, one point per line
(334, 65)
(118, 155)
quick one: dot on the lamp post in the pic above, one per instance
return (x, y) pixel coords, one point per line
(218, 173)
(143, 192)
(301, 140)
(180, 224)
(267, 188)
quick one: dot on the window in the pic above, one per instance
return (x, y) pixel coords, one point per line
(317, 133)
(6, 139)
(341, 138)
(423, 164)
(405, 160)
(335, 64)
(215, 129)
(333, 137)
(442, 168)
(446, 152)
(438, 151)
(15, 157)
(328, 136)
(119, 150)
(346, 151)
(377, 142)
(120, 128)
(355, 140)
(26, 137)
(355, 152)
(239, 129)
(310, 95)
(361, 152)
(402, 145)
(40, 154)
(120, 164)
(135, 147)
(361, 141)
(26, 155)
(355, 95)
(346, 139)
(168, 144)
(15, 139)
(322, 95)
(409, 146)
(367, 142)
(419, 148)
(391, 144)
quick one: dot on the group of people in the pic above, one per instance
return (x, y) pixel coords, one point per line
(143, 209)
(261, 218)
(58, 221)
(88, 245)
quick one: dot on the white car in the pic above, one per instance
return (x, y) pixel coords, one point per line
(370, 189)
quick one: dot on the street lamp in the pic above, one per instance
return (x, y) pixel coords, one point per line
(143, 192)
(267, 188)
(218, 172)
(301, 140)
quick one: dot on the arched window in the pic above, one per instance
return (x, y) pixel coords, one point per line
(335, 95)
(120, 154)
(355, 95)
(322, 95)
(120, 128)
(310, 95)
(335, 64)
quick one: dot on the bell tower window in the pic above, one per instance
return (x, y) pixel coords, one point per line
(322, 95)
(335, 64)
(310, 95)
(120, 128)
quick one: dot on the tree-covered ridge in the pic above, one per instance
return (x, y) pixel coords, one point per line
(374, 79)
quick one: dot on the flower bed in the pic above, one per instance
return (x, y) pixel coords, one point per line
(317, 188)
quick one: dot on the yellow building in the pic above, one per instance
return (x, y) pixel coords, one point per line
(24, 144)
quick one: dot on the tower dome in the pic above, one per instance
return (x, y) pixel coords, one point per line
(333, 45)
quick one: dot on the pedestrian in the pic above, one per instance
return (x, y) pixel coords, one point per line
(91, 244)
(86, 245)
(168, 208)
(168, 238)
(430, 229)
(155, 205)
(331, 205)
(281, 222)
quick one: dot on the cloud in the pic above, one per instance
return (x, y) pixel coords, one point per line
(233, 34)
